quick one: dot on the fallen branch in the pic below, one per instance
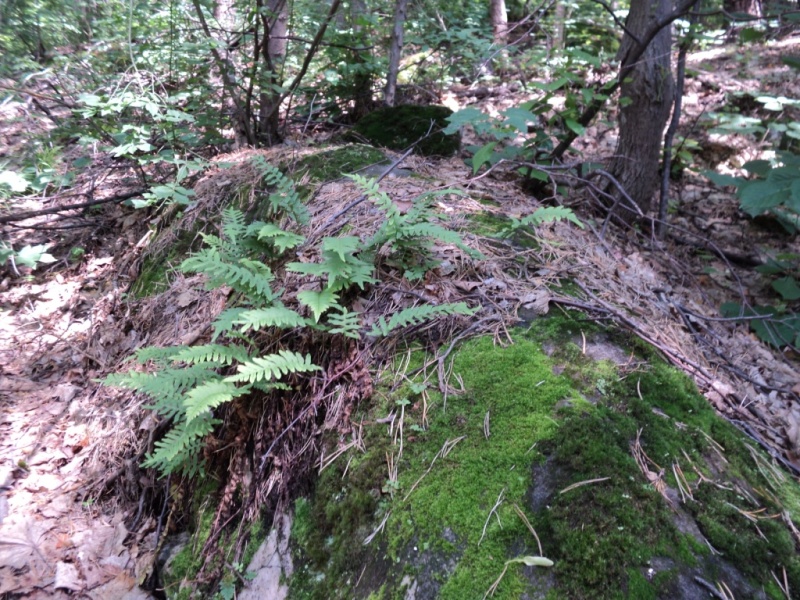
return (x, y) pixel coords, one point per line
(28, 214)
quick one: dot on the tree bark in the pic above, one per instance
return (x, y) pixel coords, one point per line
(499, 18)
(646, 100)
(560, 18)
(275, 23)
(395, 51)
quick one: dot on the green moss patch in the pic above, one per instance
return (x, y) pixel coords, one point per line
(397, 127)
(548, 432)
(337, 162)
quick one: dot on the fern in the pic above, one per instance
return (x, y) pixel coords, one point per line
(234, 230)
(214, 354)
(544, 214)
(285, 199)
(272, 366)
(416, 315)
(180, 448)
(249, 277)
(226, 321)
(166, 387)
(318, 302)
(209, 396)
(282, 240)
(339, 265)
(345, 323)
(409, 237)
(158, 356)
(273, 316)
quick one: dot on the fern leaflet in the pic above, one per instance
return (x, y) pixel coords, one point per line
(272, 366)
(215, 354)
(345, 322)
(273, 316)
(208, 396)
(181, 447)
(416, 315)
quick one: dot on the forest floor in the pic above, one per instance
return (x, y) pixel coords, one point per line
(76, 516)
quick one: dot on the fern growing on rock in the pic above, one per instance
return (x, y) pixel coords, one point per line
(189, 385)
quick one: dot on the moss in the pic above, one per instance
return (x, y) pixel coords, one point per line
(603, 537)
(335, 163)
(598, 532)
(398, 127)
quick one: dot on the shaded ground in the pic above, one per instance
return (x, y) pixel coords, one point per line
(65, 442)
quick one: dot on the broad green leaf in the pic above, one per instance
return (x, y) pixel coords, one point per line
(574, 126)
(792, 61)
(29, 256)
(482, 156)
(787, 287)
(758, 167)
(518, 118)
(465, 116)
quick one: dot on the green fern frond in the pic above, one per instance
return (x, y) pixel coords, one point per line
(159, 356)
(281, 239)
(345, 323)
(318, 302)
(206, 397)
(273, 366)
(285, 199)
(216, 354)
(270, 386)
(418, 314)
(166, 387)
(344, 247)
(234, 230)
(274, 316)
(432, 230)
(226, 321)
(181, 447)
(250, 277)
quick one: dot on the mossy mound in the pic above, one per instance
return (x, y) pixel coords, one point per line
(337, 162)
(397, 127)
(547, 442)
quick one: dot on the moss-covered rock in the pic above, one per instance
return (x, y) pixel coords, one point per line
(397, 127)
(331, 164)
(545, 444)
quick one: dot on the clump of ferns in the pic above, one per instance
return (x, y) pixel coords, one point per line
(260, 342)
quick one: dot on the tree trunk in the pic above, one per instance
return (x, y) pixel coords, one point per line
(363, 98)
(499, 18)
(646, 99)
(275, 23)
(395, 51)
(560, 18)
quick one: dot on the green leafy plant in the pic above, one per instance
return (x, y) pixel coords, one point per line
(188, 385)
(408, 239)
(526, 133)
(773, 187)
(777, 325)
(544, 214)
(28, 256)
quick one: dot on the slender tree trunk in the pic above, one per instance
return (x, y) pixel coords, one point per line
(363, 97)
(499, 18)
(395, 51)
(241, 124)
(646, 100)
(560, 18)
(275, 24)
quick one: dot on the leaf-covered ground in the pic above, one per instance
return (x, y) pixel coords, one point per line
(77, 517)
